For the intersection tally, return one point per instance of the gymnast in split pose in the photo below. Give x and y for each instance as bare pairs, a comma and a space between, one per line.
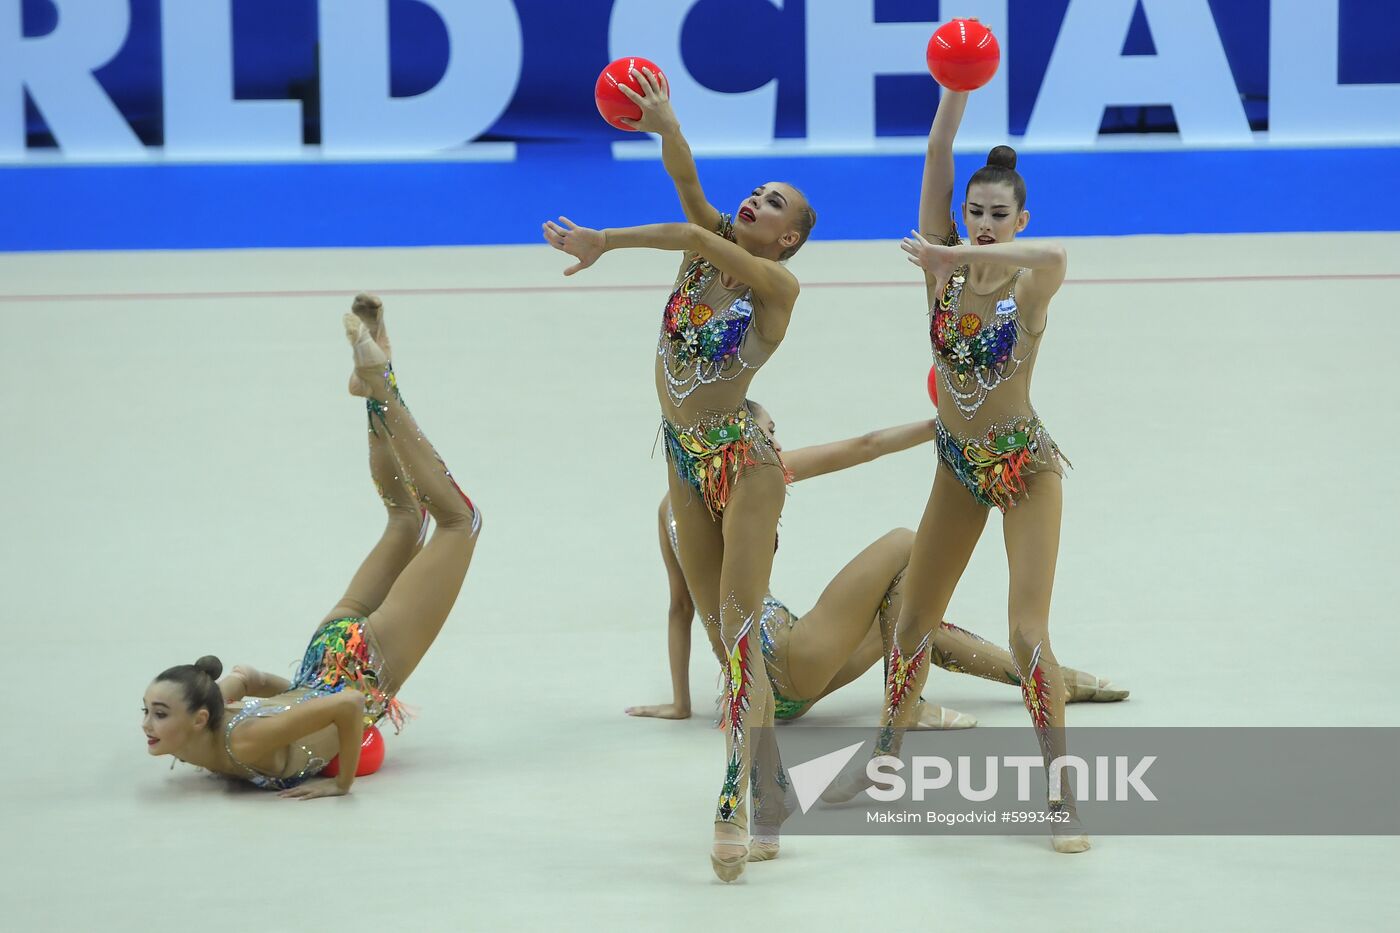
281, 734
849, 628
726, 315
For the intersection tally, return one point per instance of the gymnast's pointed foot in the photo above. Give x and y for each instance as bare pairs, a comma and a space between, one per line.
763, 849
730, 852
1067, 833
931, 717
369, 356
1084, 687
369, 310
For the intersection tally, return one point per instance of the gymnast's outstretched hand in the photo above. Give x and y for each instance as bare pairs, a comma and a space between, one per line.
316, 787
583, 243
661, 711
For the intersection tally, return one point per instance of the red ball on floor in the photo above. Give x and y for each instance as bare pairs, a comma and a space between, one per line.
371, 756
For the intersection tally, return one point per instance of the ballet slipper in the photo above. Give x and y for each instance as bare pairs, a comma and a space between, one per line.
763, 848
931, 717
370, 310
1090, 689
729, 868
369, 356
1070, 845
1068, 838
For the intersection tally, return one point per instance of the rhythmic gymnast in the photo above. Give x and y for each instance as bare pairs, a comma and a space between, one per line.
727, 313
989, 303
280, 734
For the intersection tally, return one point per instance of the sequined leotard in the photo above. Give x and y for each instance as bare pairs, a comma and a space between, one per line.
707, 355
342, 653
303, 762
988, 433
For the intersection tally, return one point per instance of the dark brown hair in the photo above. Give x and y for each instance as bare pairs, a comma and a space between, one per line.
200, 684
1000, 170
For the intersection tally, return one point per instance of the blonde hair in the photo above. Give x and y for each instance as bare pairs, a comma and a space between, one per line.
806, 220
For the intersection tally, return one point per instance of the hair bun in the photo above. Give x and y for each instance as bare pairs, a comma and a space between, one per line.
210, 665
1002, 157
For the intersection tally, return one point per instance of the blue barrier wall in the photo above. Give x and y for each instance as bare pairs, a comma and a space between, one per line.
444, 203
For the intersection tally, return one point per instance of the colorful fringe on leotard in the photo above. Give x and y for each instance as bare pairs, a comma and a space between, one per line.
711, 467
343, 653
994, 468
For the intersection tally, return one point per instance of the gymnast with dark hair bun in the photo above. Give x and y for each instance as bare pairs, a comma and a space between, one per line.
989, 303
282, 734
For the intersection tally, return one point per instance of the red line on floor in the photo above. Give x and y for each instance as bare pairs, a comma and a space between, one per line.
653, 286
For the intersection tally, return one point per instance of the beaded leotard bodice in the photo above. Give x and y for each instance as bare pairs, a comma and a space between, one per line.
707, 333
978, 345
302, 762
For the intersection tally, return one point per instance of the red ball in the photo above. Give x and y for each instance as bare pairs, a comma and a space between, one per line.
933, 384
371, 756
963, 55
612, 103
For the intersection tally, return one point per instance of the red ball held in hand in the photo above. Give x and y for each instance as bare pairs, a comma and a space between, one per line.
963, 55
933, 385
612, 103
371, 756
